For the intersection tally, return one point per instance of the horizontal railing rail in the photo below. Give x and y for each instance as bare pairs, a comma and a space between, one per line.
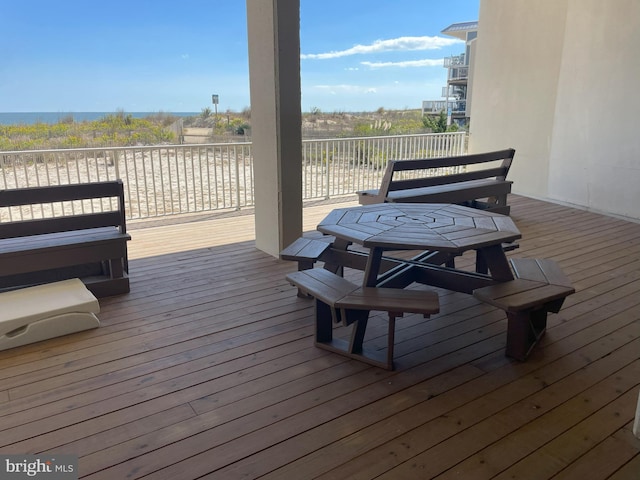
178, 179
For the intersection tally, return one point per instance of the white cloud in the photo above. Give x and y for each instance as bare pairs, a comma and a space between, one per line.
408, 63
343, 87
185, 56
391, 45
346, 89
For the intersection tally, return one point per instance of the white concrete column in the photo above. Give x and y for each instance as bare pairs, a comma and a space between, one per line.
274, 73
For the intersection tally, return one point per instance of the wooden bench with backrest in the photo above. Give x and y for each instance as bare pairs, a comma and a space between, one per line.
482, 185
67, 238
540, 286
337, 299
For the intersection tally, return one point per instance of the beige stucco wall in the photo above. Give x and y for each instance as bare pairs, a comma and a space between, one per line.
555, 79
595, 159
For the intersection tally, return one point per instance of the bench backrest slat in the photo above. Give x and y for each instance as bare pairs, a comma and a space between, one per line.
60, 193
59, 224
447, 179
425, 163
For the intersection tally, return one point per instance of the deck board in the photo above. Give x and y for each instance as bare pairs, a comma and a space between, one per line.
207, 369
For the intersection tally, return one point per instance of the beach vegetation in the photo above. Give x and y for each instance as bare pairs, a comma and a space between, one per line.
114, 130
123, 129
162, 118
438, 123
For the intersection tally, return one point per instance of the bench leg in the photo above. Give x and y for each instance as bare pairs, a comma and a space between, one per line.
354, 347
357, 337
358, 331
305, 264
524, 331
391, 336
324, 317
555, 306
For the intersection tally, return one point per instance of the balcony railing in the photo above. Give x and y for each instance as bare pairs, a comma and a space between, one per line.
437, 106
454, 61
178, 179
458, 73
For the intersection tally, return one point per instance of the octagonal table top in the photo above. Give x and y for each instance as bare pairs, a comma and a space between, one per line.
420, 226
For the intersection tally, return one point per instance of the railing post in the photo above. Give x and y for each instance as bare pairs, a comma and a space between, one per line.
328, 173
116, 163
237, 183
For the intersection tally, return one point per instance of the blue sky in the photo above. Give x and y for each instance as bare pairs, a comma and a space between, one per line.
156, 55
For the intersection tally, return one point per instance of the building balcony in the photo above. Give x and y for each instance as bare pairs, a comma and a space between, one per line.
458, 75
207, 369
458, 69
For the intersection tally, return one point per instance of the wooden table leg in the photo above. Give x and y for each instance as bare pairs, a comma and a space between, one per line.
338, 244
494, 259
373, 267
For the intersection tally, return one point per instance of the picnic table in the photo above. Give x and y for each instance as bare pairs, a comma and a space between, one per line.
440, 232
526, 289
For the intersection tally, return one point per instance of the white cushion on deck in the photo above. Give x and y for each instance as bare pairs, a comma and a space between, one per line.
45, 311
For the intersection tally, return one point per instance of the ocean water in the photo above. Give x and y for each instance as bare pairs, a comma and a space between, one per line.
28, 118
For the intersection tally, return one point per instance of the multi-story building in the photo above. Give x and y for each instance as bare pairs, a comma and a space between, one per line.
457, 93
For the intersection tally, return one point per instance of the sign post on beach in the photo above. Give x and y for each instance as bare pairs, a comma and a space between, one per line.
214, 100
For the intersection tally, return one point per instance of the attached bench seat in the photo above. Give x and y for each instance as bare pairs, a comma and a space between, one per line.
540, 287
338, 299
51, 310
306, 251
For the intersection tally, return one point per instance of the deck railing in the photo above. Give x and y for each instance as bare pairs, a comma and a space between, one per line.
177, 179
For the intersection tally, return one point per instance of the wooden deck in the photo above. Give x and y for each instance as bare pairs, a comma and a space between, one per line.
207, 370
